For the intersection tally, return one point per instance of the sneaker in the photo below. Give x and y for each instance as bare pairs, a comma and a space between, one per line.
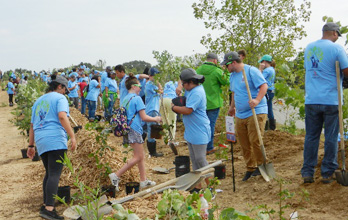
247, 175
308, 179
42, 208
256, 172
146, 183
51, 215
115, 180
213, 193
327, 180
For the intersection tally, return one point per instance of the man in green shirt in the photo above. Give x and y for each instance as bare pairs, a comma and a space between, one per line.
214, 80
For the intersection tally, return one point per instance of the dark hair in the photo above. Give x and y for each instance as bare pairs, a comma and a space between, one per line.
25, 77
242, 52
120, 68
52, 86
74, 69
194, 81
273, 64
146, 70
53, 76
95, 77
131, 80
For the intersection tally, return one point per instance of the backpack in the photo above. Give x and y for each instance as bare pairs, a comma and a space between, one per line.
119, 121
85, 91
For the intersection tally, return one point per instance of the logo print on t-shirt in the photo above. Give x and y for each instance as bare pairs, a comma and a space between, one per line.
42, 109
315, 55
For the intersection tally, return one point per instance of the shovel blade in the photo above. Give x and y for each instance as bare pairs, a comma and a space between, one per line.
173, 148
342, 177
267, 171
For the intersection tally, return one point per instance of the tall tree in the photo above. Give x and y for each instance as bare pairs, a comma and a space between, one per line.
258, 26
136, 66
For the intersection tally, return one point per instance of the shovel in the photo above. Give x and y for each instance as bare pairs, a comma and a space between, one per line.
77, 127
266, 169
341, 176
162, 169
171, 144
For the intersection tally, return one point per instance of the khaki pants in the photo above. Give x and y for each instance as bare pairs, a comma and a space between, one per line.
171, 116
248, 139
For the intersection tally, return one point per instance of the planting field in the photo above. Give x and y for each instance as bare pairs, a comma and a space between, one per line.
20, 185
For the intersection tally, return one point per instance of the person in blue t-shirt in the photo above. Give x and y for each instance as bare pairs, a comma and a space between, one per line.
92, 96
152, 97
241, 108
48, 130
74, 73
109, 94
196, 122
10, 91
104, 77
143, 84
121, 74
73, 94
267, 66
321, 102
135, 114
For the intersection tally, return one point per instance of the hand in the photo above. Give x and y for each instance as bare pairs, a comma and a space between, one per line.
158, 119
261, 66
31, 152
73, 144
106, 95
253, 103
178, 90
232, 111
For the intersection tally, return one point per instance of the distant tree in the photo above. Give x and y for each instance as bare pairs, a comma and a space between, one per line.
100, 64
136, 66
258, 26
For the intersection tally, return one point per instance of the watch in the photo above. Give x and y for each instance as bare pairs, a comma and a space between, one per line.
31, 146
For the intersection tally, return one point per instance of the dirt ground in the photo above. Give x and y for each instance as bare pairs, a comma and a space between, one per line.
21, 195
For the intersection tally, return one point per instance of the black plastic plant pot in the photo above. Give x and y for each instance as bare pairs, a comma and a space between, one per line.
36, 157
182, 165
132, 186
24, 152
64, 193
98, 117
220, 171
109, 191
156, 131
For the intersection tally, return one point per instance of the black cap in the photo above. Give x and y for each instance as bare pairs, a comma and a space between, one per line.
231, 56
330, 26
190, 73
212, 56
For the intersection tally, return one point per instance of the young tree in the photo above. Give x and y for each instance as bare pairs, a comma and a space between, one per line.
258, 26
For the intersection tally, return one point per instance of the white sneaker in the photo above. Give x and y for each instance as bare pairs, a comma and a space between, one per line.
114, 180
147, 183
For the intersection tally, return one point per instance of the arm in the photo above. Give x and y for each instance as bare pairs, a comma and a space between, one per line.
31, 150
232, 109
98, 86
63, 118
182, 110
143, 76
178, 89
160, 88
147, 118
345, 72
106, 91
262, 92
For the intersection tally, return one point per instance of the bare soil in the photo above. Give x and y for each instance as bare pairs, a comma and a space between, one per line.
21, 194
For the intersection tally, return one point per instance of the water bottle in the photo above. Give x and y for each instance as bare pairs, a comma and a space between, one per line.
204, 207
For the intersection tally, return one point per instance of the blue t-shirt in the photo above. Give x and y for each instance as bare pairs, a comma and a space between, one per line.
169, 90
74, 74
151, 97
49, 133
103, 78
81, 79
269, 74
93, 91
143, 86
321, 84
10, 86
133, 108
111, 84
241, 98
122, 87
197, 124
73, 93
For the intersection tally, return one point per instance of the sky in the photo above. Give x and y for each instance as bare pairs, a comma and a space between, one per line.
41, 34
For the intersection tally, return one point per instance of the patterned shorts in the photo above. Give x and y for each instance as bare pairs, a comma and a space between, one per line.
135, 137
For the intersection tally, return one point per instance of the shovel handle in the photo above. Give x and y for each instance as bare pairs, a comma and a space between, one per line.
255, 118
72, 119
340, 115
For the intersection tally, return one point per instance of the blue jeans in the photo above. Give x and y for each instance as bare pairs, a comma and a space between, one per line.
148, 124
109, 109
92, 106
316, 116
269, 104
213, 115
83, 105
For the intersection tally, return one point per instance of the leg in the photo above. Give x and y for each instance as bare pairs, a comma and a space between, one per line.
198, 158
149, 139
331, 124
242, 134
314, 124
138, 156
270, 104
83, 105
254, 139
44, 158
92, 107
213, 116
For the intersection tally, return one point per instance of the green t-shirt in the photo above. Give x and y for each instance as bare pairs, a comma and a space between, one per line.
214, 79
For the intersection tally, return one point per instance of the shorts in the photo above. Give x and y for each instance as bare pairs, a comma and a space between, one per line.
135, 137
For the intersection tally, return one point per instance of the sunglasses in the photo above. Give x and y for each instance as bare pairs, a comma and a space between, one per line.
137, 85
228, 63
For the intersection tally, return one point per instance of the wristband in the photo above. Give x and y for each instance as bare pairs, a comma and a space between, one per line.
31, 146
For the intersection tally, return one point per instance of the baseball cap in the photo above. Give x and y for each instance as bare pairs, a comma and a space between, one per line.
61, 80
212, 56
266, 58
153, 71
229, 57
330, 26
108, 68
190, 73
